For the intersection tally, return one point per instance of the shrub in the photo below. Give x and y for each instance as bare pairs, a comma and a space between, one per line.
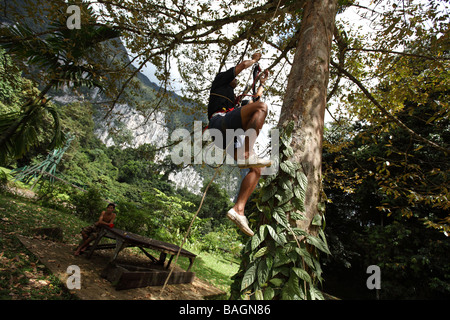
53, 194
88, 205
132, 218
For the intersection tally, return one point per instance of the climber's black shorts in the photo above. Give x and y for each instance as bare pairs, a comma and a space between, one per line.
231, 120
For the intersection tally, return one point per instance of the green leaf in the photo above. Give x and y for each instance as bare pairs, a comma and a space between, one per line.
315, 293
318, 270
287, 207
280, 217
321, 207
317, 220
260, 252
322, 236
318, 243
288, 167
278, 238
286, 140
267, 210
298, 204
297, 215
269, 293
249, 276
306, 256
300, 232
281, 258
276, 282
300, 193
283, 270
392, 26
263, 272
302, 274
286, 134
288, 127
285, 182
269, 261
291, 290
284, 196
256, 240
263, 232
268, 192
288, 151
259, 295
302, 180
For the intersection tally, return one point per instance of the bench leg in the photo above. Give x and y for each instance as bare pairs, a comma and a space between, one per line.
120, 244
94, 246
162, 258
191, 262
170, 261
148, 255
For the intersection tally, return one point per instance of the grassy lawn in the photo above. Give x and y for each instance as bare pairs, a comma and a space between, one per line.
212, 268
23, 277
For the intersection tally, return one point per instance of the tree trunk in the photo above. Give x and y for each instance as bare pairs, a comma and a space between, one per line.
274, 264
306, 97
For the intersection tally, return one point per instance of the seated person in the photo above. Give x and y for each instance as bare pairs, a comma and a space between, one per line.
90, 233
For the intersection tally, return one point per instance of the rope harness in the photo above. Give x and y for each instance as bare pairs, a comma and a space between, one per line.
238, 101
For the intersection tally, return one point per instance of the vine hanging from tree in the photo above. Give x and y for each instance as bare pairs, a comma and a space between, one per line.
281, 261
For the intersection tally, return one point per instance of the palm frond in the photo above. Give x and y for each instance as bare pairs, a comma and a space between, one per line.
21, 131
63, 56
58, 138
62, 53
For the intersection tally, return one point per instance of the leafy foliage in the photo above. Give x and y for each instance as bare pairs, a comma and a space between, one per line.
88, 205
20, 130
63, 55
13, 87
407, 55
63, 58
281, 261
386, 207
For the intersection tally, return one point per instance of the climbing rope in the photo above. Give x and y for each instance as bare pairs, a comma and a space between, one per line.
257, 68
256, 72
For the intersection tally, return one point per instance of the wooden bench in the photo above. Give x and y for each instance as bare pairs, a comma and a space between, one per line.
125, 239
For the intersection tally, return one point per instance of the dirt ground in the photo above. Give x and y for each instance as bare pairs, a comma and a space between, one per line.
59, 256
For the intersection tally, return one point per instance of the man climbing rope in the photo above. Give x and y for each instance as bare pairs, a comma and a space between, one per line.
223, 113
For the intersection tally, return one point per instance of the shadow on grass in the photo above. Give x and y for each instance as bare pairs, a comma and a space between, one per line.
214, 270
